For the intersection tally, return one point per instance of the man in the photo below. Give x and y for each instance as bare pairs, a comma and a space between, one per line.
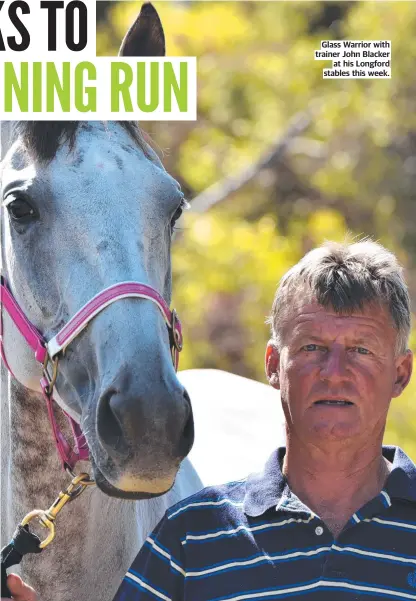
333, 514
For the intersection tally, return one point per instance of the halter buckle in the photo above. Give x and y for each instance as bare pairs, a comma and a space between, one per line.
176, 334
51, 379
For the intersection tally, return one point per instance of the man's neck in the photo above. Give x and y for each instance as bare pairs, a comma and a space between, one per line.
335, 483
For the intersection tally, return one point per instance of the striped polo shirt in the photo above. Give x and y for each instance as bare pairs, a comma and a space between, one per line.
255, 540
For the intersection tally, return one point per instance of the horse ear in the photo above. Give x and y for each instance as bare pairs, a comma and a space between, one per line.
145, 37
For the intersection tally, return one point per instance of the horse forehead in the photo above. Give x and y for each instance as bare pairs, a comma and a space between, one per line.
106, 161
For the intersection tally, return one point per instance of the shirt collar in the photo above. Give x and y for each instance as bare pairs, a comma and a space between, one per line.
266, 489
401, 484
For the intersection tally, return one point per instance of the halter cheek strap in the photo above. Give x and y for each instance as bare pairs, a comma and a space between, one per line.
27, 329
48, 352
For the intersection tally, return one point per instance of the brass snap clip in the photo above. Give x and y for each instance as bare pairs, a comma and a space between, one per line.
47, 518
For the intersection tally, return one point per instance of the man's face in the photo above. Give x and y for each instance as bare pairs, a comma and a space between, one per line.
337, 374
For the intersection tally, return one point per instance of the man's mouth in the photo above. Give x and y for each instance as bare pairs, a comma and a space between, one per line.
334, 402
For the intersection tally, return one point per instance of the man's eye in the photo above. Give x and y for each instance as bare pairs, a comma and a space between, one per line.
361, 350
310, 347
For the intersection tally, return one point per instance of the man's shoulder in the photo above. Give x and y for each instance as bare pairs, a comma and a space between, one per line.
219, 498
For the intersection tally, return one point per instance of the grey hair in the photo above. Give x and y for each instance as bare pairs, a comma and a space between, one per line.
346, 277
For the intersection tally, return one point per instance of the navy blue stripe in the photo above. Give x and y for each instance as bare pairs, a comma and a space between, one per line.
155, 552
123, 593
269, 560
379, 551
205, 532
393, 527
386, 588
241, 532
208, 508
159, 590
273, 592
137, 586
159, 544
360, 592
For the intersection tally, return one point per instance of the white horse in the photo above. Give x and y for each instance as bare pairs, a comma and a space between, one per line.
86, 206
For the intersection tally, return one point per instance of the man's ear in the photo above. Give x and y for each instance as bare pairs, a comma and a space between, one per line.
145, 37
404, 367
272, 364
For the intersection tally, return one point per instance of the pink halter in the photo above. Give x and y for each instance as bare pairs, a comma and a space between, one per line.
48, 352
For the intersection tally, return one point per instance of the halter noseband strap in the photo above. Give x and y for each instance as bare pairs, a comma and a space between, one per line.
111, 294
46, 352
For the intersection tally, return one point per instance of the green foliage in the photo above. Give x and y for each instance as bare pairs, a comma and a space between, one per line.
353, 170
226, 272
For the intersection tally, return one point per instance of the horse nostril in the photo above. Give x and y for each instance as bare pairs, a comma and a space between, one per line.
109, 429
124, 422
188, 433
187, 399
187, 439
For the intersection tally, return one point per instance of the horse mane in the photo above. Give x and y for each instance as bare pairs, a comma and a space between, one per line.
42, 139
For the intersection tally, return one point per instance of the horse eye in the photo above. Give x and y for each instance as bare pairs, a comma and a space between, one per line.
20, 209
176, 216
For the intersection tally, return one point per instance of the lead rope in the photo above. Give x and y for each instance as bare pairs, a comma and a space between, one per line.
22, 543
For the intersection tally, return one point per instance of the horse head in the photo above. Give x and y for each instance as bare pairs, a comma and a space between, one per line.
86, 205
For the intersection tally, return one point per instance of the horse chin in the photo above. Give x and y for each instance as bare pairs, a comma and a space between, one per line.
113, 491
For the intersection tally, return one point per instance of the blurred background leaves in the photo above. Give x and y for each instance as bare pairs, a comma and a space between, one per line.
353, 169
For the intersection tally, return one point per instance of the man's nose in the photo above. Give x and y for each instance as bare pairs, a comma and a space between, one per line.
334, 366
